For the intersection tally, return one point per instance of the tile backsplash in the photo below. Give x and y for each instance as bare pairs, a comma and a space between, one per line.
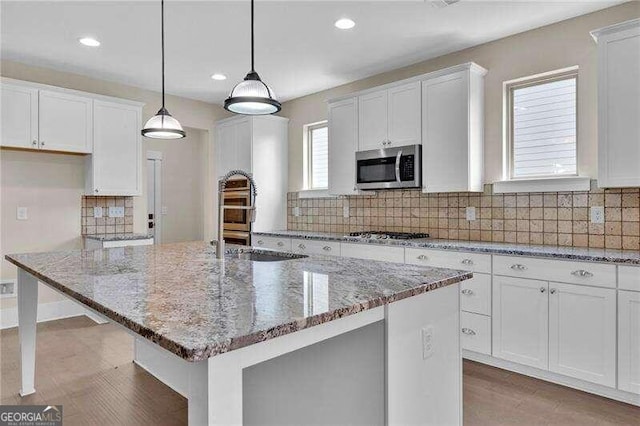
106, 225
551, 218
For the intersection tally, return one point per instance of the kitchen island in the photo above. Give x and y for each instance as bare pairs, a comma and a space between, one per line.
204, 324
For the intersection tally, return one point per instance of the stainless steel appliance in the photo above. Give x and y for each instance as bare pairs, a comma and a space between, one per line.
236, 209
389, 168
381, 235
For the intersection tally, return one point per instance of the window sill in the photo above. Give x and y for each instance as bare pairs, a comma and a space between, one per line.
315, 193
560, 184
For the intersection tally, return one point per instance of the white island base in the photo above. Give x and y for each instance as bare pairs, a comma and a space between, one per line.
410, 370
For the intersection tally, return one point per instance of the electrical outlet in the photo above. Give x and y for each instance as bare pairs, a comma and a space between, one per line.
116, 211
7, 289
164, 210
22, 213
97, 212
427, 342
345, 211
470, 213
597, 214
296, 211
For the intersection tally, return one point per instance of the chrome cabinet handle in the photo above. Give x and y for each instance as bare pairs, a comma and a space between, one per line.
300, 246
518, 267
326, 248
280, 243
467, 291
467, 262
468, 331
96, 190
552, 291
34, 143
542, 289
582, 273
422, 257
260, 242
41, 143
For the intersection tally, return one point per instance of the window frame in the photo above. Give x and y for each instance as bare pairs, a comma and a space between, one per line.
308, 154
534, 80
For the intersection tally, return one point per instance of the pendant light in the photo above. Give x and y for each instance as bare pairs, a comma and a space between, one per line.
252, 96
163, 125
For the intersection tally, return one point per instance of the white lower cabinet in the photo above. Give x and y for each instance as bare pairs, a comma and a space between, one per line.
272, 243
330, 248
475, 294
629, 341
521, 321
373, 252
475, 332
582, 332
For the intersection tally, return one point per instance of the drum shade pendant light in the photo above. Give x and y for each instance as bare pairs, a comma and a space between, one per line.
252, 96
163, 125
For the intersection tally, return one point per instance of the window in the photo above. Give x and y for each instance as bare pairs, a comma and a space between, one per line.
542, 126
317, 156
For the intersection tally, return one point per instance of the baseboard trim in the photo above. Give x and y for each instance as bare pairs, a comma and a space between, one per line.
558, 379
46, 312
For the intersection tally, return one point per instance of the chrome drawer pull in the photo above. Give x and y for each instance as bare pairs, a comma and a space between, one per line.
552, 291
280, 243
542, 289
326, 248
518, 267
467, 262
301, 246
467, 291
260, 242
582, 273
468, 331
422, 257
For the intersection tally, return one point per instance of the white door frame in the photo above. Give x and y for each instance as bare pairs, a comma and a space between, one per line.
156, 158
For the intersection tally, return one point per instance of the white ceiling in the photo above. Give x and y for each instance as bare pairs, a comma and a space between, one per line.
298, 50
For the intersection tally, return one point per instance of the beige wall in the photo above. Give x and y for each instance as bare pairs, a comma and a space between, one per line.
183, 176
556, 46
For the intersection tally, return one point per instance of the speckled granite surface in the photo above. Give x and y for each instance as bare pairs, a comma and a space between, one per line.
182, 298
567, 253
118, 237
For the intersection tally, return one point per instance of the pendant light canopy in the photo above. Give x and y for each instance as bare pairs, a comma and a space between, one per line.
163, 125
252, 96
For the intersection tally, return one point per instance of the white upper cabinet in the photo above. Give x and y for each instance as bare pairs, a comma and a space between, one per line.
582, 332
343, 143
115, 166
234, 145
619, 104
389, 117
452, 131
19, 116
629, 341
65, 122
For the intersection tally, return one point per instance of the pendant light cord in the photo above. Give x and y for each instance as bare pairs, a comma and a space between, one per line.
252, 53
162, 38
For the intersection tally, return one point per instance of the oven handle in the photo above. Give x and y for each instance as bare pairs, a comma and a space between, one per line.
398, 166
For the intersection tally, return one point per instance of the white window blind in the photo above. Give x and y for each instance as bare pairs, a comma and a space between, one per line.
319, 156
543, 138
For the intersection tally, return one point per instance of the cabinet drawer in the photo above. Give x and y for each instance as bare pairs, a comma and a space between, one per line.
315, 247
629, 277
273, 243
475, 332
572, 272
373, 252
449, 259
475, 294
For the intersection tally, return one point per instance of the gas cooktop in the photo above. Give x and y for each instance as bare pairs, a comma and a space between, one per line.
378, 235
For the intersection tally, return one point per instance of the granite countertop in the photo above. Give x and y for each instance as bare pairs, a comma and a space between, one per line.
631, 257
196, 306
118, 237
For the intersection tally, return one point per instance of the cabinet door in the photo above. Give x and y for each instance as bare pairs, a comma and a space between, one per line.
619, 109
343, 144
520, 321
404, 115
19, 116
226, 147
372, 120
445, 133
629, 341
65, 122
244, 142
582, 332
117, 150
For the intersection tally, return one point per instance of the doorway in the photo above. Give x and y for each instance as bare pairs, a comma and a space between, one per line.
154, 195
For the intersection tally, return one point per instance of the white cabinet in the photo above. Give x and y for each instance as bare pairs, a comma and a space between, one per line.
619, 104
271, 243
257, 145
520, 321
475, 332
452, 130
65, 122
115, 166
475, 294
582, 332
389, 117
19, 116
343, 144
373, 252
629, 341
329, 248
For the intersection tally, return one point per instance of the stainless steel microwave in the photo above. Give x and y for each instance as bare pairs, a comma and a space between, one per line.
389, 168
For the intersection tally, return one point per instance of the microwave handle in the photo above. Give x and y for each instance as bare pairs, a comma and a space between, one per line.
398, 166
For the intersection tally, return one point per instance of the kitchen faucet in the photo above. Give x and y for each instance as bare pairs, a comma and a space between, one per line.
222, 184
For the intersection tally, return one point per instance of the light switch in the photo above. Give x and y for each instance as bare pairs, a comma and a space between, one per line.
97, 212
597, 214
296, 211
22, 213
116, 211
470, 213
345, 211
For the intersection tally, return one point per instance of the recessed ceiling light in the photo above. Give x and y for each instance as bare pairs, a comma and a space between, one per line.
88, 41
345, 24
219, 77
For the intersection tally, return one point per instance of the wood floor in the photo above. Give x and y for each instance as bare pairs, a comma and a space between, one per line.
87, 368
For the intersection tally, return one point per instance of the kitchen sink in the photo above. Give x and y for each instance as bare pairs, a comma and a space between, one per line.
261, 255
